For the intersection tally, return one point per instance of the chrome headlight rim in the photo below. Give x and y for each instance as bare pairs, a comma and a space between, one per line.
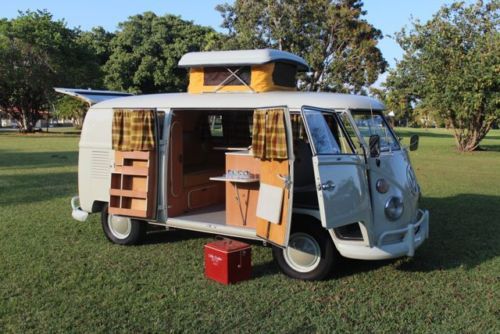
394, 208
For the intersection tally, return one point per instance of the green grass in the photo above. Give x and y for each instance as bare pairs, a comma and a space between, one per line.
59, 275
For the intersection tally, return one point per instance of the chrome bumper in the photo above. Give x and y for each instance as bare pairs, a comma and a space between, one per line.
77, 213
414, 236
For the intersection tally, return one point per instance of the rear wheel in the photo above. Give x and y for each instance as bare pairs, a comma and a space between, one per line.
122, 230
310, 254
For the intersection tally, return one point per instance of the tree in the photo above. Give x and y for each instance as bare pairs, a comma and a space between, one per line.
36, 54
451, 65
70, 107
99, 41
24, 72
146, 50
339, 45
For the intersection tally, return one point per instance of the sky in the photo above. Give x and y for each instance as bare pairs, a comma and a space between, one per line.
387, 15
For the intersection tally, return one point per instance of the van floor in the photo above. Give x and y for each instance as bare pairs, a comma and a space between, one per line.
215, 214
211, 220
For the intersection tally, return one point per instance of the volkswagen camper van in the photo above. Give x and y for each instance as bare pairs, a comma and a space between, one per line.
243, 154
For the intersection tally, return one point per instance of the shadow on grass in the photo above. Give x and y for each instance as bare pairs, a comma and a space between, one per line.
269, 268
172, 236
23, 189
25, 160
41, 134
489, 148
406, 132
164, 236
492, 137
349, 267
464, 232
159, 236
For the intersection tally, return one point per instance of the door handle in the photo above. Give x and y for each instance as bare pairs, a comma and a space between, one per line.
327, 186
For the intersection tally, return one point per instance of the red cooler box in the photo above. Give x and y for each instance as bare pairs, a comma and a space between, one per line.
228, 261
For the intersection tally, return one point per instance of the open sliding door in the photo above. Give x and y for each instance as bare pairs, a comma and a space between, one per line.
272, 145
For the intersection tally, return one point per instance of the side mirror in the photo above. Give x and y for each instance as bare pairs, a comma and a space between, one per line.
374, 146
414, 142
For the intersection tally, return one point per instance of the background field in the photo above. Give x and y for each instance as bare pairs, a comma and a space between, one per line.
60, 275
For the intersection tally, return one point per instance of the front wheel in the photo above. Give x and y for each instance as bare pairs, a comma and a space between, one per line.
310, 254
122, 230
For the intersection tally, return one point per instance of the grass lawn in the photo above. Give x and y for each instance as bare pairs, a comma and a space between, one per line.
57, 274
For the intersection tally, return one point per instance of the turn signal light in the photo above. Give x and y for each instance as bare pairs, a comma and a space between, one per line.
382, 186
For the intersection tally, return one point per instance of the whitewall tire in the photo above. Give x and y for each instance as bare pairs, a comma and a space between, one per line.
310, 254
122, 230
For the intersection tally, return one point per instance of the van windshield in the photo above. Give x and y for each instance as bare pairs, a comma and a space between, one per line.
373, 123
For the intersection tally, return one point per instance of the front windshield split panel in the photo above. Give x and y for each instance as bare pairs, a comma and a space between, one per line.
352, 131
371, 123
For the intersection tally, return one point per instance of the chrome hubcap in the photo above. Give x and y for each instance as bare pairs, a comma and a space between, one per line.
303, 253
120, 227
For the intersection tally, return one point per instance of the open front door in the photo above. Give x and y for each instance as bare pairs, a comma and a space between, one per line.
272, 145
340, 174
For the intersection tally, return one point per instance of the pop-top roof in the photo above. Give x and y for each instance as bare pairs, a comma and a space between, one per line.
241, 58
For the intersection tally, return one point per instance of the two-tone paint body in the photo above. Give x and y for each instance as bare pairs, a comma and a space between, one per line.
354, 176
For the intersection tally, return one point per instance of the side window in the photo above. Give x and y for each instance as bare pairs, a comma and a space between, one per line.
236, 128
215, 124
319, 133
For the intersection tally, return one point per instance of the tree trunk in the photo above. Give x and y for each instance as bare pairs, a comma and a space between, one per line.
28, 120
468, 140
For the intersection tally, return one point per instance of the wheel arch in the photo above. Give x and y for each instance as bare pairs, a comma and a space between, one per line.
307, 224
98, 206
313, 216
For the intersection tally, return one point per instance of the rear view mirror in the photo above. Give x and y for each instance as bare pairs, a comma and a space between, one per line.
374, 146
414, 142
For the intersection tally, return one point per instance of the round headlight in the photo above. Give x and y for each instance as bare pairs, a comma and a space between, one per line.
394, 208
382, 186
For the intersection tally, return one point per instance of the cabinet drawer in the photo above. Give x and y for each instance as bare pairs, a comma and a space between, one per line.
205, 196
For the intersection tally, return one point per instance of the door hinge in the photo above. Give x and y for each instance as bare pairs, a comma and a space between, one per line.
286, 180
327, 186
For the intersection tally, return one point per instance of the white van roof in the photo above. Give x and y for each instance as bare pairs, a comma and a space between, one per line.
293, 100
241, 58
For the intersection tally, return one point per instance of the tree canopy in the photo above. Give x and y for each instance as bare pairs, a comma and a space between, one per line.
339, 45
451, 66
69, 107
146, 50
36, 54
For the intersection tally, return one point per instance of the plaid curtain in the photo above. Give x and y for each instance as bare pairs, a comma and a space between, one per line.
297, 127
133, 130
269, 136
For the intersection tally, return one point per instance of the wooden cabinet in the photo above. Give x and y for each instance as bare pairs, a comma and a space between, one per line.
133, 190
241, 197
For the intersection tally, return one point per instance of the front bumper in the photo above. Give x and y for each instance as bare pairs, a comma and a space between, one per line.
76, 212
413, 236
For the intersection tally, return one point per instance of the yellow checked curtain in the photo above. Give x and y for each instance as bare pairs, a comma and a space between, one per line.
133, 130
297, 127
269, 135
